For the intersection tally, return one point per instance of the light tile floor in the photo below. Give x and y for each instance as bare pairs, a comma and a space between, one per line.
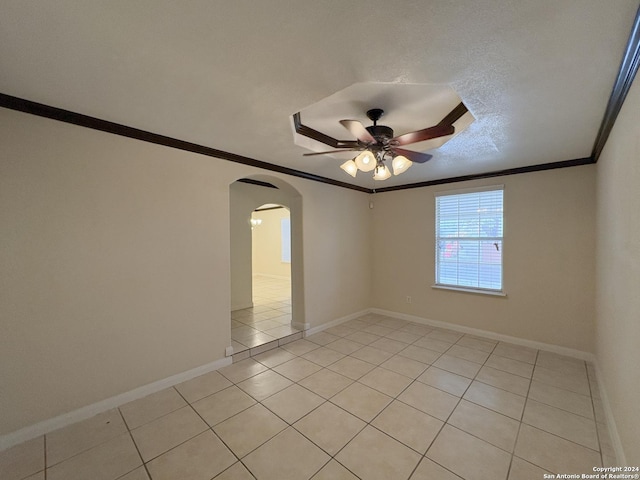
268, 320
374, 398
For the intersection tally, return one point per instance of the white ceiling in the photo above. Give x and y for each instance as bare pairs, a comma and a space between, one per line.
535, 74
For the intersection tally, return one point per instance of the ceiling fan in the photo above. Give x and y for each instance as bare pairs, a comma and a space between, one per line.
377, 142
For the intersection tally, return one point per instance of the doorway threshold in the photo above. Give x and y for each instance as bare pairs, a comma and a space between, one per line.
251, 352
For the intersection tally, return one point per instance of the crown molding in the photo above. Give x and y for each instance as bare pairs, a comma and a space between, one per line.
624, 79
497, 173
67, 116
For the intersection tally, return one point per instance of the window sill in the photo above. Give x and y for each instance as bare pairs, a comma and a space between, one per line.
470, 290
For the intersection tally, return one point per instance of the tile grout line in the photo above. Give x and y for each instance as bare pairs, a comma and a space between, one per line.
45, 456
181, 443
551, 433
333, 457
230, 467
396, 398
563, 438
92, 447
289, 425
459, 402
561, 408
370, 423
595, 418
414, 380
210, 428
522, 416
411, 383
512, 454
144, 465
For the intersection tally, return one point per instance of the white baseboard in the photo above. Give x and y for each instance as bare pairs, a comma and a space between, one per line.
47, 426
569, 352
242, 306
616, 443
549, 347
335, 322
301, 326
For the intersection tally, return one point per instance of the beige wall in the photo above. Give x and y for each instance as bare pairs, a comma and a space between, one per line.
618, 273
115, 261
337, 252
267, 244
240, 207
548, 259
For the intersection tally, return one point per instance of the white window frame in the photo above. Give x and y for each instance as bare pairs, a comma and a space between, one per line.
464, 288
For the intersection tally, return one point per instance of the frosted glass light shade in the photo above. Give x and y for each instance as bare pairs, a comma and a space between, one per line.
350, 167
366, 161
400, 164
382, 173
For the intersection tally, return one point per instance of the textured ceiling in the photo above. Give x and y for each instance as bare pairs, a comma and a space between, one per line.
535, 74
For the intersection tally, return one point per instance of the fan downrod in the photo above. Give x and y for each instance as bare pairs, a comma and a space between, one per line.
374, 114
381, 133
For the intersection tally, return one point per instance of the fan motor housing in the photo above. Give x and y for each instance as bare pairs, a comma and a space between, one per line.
380, 132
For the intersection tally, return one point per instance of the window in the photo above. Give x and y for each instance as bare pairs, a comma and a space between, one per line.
285, 240
469, 230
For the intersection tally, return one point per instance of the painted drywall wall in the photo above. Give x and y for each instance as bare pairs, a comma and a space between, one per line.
548, 259
115, 261
240, 233
266, 244
341, 229
618, 272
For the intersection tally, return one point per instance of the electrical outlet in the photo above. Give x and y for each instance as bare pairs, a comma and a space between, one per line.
408, 299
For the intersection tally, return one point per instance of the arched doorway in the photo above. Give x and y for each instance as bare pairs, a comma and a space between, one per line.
266, 262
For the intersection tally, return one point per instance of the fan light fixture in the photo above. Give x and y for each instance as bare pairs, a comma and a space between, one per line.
377, 143
367, 161
255, 222
382, 172
400, 164
350, 167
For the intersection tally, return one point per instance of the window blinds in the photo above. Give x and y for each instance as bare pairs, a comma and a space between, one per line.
469, 231
285, 240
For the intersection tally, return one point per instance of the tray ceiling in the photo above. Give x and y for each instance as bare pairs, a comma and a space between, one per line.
535, 74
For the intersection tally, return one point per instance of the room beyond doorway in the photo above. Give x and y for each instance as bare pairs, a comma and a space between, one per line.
270, 317
267, 290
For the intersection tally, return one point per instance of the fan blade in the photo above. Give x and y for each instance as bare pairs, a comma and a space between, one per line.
424, 134
413, 156
329, 152
358, 130
454, 115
